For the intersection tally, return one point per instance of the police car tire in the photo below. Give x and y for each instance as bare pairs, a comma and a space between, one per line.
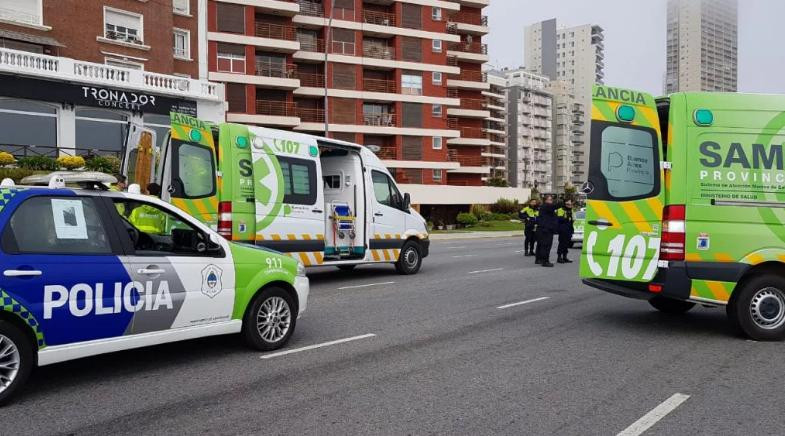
251, 333
402, 266
26, 359
671, 306
739, 306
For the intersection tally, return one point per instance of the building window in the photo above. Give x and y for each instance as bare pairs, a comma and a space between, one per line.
124, 63
436, 14
436, 46
437, 142
25, 123
22, 11
411, 84
123, 26
436, 78
437, 175
182, 44
100, 131
230, 18
436, 110
181, 7
230, 58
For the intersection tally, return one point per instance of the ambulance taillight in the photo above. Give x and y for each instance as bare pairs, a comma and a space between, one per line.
225, 219
673, 232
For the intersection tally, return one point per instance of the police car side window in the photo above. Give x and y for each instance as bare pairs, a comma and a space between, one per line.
57, 225
157, 232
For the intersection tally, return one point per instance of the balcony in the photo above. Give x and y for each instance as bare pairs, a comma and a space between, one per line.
379, 119
470, 23
468, 79
275, 31
310, 115
343, 48
276, 108
378, 51
474, 103
312, 9
379, 18
471, 136
286, 8
311, 80
380, 85
468, 52
387, 153
311, 44
277, 70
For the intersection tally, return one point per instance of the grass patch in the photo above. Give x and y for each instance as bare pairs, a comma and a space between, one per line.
487, 226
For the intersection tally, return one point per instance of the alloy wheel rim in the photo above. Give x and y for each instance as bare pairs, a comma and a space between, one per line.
273, 319
9, 362
767, 308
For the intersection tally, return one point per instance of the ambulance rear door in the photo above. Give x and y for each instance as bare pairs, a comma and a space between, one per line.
140, 156
624, 188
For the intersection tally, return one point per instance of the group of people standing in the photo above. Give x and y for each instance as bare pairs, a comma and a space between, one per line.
541, 222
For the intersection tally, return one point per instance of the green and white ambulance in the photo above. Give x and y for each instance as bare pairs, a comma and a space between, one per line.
686, 203
319, 200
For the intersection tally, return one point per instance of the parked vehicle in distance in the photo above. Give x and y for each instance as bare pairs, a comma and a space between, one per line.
578, 223
87, 271
319, 200
684, 203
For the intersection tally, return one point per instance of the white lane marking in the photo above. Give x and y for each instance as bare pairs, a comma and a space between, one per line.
519, 251
533, 300
455, 246
485, 270
506, 245
365, 286
656, 414
315, 346
464, 255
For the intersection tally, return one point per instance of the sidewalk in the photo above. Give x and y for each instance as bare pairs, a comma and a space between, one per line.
473, 235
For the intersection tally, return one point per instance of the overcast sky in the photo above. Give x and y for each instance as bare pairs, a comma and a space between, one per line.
635, 38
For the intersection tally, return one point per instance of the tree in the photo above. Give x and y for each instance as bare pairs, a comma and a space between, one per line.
570, 192
497, 182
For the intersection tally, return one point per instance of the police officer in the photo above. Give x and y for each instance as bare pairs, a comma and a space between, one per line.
564, 215
121, 185
547, 226
529, 217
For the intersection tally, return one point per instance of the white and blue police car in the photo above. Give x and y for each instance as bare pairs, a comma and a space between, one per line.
89, 271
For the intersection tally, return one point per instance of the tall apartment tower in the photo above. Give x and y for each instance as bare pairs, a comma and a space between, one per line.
702, 46
529, 127
496, 126
405, 76
575, 56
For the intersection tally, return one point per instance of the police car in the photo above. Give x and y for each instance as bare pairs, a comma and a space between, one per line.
84, 272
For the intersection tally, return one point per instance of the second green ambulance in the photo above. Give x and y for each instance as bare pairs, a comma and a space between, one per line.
686, 203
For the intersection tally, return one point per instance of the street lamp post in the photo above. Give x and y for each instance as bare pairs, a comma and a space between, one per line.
326, 51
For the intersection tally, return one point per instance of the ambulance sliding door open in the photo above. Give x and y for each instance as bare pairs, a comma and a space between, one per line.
140, 157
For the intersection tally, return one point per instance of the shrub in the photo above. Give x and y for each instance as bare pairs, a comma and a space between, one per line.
504, 205
503, 216
478, 210
104, 164
6, 159
467, 219
15, 174
37, 163
70, 162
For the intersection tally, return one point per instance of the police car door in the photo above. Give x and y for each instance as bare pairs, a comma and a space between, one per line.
61, 273
624, 194
183, 278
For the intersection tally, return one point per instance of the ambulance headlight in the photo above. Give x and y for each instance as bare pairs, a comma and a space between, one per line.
300, 269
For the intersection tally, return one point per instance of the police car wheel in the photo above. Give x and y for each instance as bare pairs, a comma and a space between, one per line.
16, 360
410, 259
758, 309
270, 321
669, 305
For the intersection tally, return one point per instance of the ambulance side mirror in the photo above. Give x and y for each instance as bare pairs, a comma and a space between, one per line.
215, 239
407, 201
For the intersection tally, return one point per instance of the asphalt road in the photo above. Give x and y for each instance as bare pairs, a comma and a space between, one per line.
444, 358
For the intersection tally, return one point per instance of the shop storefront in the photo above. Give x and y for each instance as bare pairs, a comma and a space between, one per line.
89, 107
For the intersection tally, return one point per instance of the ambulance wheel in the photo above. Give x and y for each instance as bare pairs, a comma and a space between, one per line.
270, 321
669, 305
16, 360
757, 308
347, 268
410, 260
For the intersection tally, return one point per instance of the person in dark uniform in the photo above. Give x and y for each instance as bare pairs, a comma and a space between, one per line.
529, 217
564, 216
547, 226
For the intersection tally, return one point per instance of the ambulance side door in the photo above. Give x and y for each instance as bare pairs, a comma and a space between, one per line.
60, 268
186, 280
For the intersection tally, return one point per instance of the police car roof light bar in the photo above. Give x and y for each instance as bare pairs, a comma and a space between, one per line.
59, 179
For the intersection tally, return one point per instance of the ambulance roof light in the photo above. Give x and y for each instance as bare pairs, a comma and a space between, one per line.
625, 113
703, 117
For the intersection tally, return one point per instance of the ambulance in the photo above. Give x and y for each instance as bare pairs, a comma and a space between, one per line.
322, 201
686, 203
81, 278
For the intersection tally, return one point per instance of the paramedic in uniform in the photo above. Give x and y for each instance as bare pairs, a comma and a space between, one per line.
529, 217
547, 226
564, 216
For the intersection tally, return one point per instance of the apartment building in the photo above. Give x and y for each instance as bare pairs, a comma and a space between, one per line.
574, 55
74, 74
568, 122
702, 46
402, 76
529, 130
496, 127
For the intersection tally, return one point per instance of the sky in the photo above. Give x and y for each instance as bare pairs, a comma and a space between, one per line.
635, 38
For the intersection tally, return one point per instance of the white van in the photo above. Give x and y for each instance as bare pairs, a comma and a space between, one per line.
320, 200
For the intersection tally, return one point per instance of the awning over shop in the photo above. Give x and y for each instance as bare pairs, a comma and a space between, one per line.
32, 39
